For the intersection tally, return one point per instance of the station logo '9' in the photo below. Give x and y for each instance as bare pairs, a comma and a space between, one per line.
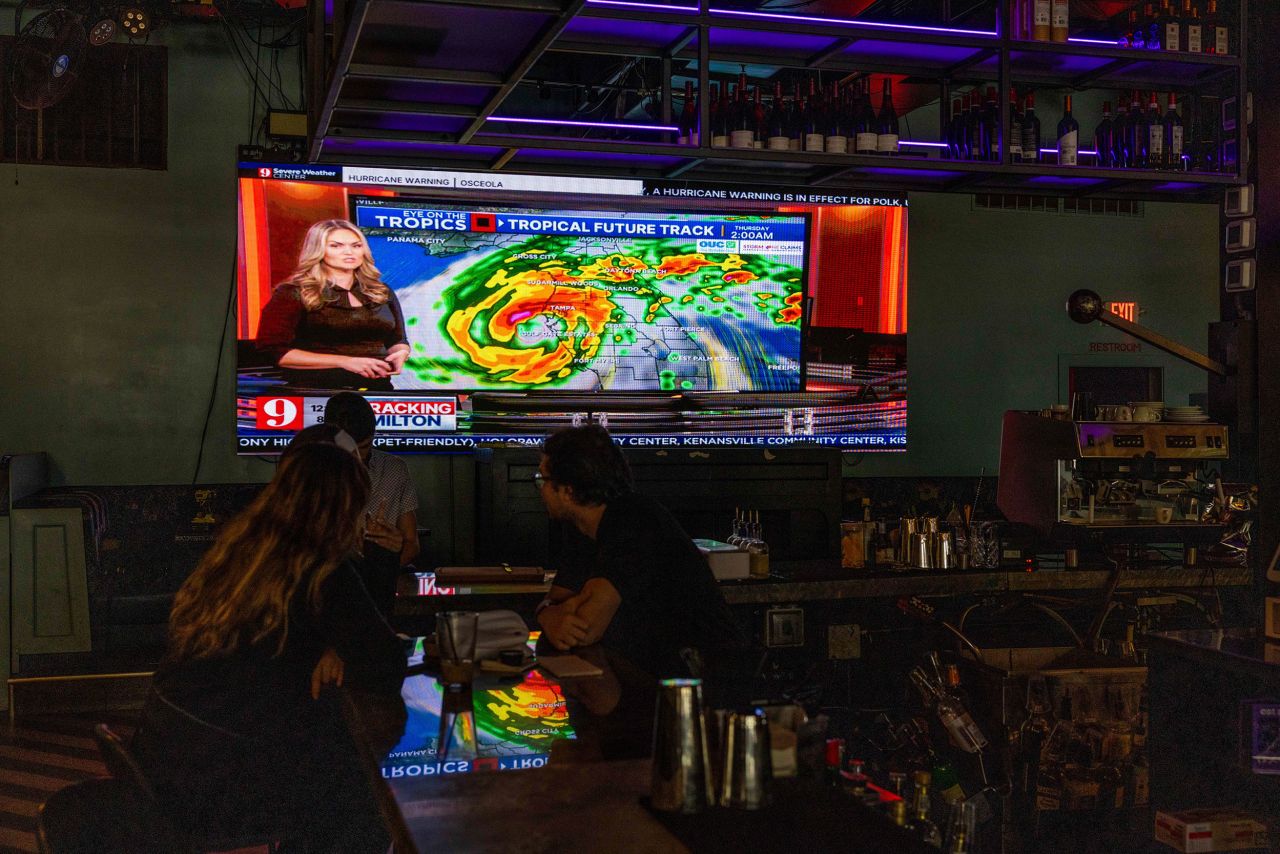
279, 413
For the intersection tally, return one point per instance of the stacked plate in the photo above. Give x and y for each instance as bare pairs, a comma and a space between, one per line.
1185, 415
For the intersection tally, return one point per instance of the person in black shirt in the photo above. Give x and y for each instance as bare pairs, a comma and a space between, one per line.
626, 573
333, 323
238, 734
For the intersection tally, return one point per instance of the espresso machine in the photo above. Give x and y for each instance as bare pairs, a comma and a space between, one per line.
1112, 482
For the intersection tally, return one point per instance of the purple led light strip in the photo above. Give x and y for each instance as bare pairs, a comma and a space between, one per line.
1095, 41
577, 124
879, 25
1080, 151
629, 4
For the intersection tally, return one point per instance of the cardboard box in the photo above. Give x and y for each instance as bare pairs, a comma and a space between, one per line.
1260, 736
1193, 831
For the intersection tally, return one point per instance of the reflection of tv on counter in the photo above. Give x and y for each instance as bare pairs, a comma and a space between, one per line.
494, 316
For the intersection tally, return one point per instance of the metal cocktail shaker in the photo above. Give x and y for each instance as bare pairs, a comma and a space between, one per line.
747, 761
681, 765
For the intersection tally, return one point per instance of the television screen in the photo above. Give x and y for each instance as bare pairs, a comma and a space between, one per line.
476, 310
509, 726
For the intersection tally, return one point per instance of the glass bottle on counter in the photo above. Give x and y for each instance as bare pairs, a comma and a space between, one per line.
887, 126
1013, 141
1155, 134
777, 138
757, 549
1119, 135
1104, 137
1030, 132
955, 718
719, 116
865, 124
1218, 38
1173, 135
920, 824
1068, 136
688, 122
960, 833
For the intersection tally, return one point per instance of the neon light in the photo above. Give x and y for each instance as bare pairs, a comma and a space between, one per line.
1084, 151
1094, 41
922, 144
632, 5
912, 28
577, 124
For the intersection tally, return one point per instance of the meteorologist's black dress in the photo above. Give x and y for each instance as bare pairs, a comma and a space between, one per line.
336, 327
236, 744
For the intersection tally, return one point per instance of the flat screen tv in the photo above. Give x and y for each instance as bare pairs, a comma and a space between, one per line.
492, 309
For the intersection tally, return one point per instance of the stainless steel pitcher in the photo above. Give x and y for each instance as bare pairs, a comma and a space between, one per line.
681, 763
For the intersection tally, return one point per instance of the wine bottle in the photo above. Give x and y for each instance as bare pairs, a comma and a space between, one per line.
760, 120
1060, 20
1119, 136
955, 133
866, 135
1219, 40
991, 127
688, 123
1155, 134
719, 116
1171, 26
1041, 27
813, 140
837, 136
887, 127
1140, 134
1013, 141
776, 135
1068, 136
1155, 26
1173, 136
1104, 137
976, 142
795, 133
1194, 28
742, 131
1030, 132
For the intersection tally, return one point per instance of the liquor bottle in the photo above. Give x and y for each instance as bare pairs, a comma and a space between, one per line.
955, 718
1170, 29
1041, 27
777, 135
953, 132
977, 143
1119, 138
1030, 132
991, 127
719, 117
1139, 133
920, 824
1013, 141
837, 136
760, 119
757, 549
1193, 27
960, 834
688, 123
1219, 39
1155, 134
898, 813
1138, 31
813, 129
742, 131
1104, 137
1173, 160
887, 122
1068, 136
1060, 20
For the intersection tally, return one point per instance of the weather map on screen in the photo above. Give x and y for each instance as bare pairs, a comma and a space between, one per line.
507, 299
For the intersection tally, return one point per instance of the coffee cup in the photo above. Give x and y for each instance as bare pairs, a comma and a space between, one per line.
1146, 413
1164, 515
1123, 413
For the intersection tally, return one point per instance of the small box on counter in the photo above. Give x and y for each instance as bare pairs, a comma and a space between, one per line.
728, 562
1260, 736
1206, 830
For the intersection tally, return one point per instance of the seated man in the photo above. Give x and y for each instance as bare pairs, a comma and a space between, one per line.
630, 576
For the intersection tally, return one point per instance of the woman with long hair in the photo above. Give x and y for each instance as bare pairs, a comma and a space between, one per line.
333, 323
238, 735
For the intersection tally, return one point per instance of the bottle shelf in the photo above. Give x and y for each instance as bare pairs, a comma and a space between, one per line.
443, 108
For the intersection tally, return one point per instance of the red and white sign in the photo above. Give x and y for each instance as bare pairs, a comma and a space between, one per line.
280, 413
415, 415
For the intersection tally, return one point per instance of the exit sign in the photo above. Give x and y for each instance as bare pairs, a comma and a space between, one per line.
1127, 310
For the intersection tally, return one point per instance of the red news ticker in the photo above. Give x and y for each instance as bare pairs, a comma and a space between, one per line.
414, 407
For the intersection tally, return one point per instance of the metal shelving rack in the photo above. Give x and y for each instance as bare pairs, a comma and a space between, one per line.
422, 83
